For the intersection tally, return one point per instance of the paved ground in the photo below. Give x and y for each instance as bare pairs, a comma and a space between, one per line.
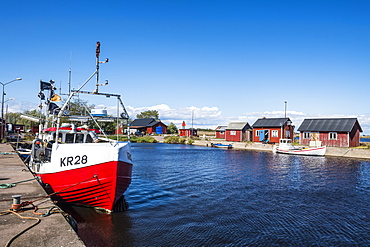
159, 138
52, 230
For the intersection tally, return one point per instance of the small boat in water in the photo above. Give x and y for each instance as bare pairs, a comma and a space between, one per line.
73, 164
285, 147
220, 145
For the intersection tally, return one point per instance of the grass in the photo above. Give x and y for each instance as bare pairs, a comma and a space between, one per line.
178, 140
144, 139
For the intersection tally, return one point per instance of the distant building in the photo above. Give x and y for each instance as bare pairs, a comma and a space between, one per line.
238, 132
15, 128
272, 130
148, 126
220, 132
188, 132
332, 132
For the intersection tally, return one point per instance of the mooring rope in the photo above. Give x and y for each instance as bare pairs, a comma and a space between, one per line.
9, 185
23, 231
35, 208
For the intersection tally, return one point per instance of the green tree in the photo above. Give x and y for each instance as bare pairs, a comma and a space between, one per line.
13, 117
172, 129
77, 107
149, 114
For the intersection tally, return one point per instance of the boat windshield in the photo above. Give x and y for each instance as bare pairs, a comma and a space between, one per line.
286, 141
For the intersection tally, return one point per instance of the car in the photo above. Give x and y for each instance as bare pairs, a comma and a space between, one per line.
138, 133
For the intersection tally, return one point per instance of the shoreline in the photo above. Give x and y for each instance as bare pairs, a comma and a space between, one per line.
330, 151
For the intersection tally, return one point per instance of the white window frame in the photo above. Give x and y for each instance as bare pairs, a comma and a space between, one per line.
257, 133
274, 133
306, 135
333, 136
233, 132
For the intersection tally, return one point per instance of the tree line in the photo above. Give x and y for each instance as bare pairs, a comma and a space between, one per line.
80, 107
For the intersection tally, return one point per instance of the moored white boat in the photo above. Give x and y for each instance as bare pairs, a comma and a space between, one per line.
285, 147
73, 165
221, 145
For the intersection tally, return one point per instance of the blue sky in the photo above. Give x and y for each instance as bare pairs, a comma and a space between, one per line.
221, 60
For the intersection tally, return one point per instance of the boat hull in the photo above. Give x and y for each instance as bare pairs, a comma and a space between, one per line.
317, 151
219, 145
97, 186
95, 174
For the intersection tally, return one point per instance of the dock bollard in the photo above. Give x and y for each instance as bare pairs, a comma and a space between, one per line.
16, 202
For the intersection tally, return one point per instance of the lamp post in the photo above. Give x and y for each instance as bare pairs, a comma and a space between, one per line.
285, 102
2, 105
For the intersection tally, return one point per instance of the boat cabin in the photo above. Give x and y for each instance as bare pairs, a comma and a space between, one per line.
71, 135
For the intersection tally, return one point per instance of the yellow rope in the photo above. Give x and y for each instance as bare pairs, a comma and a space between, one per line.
23, 231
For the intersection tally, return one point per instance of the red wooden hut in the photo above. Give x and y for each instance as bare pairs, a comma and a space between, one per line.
238, 132
220, 132
188, 132
271, 130
332, 132
148, 126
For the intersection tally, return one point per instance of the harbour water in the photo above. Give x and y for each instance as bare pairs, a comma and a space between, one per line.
183, 195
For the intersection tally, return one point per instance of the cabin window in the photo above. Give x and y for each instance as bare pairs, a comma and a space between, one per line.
275, 133
287, 134
79, 138
70, 138
257, 133
233, 133
89, 139
333, 136
306, 135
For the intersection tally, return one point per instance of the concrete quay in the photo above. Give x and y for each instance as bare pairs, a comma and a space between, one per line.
330, 151
52, 230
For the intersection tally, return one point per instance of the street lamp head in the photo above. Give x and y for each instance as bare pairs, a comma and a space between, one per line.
18, 79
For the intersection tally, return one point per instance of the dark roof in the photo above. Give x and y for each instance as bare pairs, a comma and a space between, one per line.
144, 122
270, 122
329, 124
238, 126
221, 128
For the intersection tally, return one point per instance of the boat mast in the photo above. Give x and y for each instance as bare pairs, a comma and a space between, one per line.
97, 68
124, 115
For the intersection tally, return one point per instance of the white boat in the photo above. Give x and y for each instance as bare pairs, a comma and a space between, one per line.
285, 147
220, 145
73, 165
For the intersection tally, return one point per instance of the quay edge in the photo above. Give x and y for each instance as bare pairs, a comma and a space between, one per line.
53, 230
330, 151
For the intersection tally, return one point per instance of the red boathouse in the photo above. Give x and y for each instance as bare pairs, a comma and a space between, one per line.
332, 132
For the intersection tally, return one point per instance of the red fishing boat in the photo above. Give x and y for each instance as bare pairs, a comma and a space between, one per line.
73, 164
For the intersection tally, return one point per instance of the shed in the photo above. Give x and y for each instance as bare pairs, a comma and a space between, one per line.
148, 125
272, 130
238, 132
332, 132
188, 132
220, 132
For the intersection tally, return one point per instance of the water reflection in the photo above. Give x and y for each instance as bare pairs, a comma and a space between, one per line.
184, 195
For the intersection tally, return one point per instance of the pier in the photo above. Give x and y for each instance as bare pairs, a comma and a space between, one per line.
37, 221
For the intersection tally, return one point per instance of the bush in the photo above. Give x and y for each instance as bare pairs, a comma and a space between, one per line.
172, 139
177, 140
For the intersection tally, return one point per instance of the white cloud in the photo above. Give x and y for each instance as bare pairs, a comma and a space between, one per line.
207, 116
